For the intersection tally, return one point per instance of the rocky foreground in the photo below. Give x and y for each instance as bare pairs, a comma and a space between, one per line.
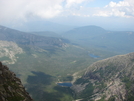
11, 88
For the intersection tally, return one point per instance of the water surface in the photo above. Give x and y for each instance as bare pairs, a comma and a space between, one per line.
93, 56
65, 84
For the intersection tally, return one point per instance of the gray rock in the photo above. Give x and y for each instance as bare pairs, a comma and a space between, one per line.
0, 72
10, 85
0, 65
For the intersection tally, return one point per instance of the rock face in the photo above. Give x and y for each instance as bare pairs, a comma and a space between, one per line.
11, 88
110, 79
9, 50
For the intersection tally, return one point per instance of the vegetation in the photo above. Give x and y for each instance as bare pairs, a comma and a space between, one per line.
35, 68
87, 92
45, 61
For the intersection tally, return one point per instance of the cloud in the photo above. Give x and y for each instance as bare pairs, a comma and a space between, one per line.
70, 3
12, 10
121, 9
120, 4
21, 9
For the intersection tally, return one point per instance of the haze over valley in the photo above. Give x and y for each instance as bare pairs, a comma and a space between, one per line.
41, 60
67, 50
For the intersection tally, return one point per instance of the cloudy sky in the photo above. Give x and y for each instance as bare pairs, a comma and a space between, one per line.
115, 14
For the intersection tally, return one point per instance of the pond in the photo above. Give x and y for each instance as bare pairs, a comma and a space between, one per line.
93, 56
65, 84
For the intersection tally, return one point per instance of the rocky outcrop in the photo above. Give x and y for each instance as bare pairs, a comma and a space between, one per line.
11, 88
8, 52
110, 79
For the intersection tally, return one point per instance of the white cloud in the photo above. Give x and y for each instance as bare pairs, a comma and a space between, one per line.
70, 3
12, 10
21, 9
121, 9
119, 4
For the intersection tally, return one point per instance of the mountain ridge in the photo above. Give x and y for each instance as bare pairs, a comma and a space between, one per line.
110, 79
97, 37
84, 32
31, 40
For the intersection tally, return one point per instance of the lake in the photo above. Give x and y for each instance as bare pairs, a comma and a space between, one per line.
93, 56
65, 84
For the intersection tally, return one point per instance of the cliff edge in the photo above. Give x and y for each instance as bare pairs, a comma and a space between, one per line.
11, 88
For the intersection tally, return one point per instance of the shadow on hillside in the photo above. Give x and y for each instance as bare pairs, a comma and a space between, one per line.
39, 78
36, 87
65, 90
38, 94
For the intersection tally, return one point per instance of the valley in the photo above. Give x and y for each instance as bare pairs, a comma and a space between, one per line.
40, 61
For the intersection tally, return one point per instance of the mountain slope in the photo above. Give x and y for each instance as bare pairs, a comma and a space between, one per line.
24, 39
11, 88
108, 80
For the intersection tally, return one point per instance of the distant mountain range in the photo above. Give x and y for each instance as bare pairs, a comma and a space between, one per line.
47, 33
97, 37
84, 32
42, 59
110, 79
29, 40
38, 26
87, 36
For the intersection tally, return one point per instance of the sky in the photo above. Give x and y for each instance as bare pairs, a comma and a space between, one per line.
109, 14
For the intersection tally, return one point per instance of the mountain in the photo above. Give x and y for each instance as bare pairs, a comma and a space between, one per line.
11, 88
111, 79
84, 32
97, 37
47, 33
41, 62
36, 26
27, 40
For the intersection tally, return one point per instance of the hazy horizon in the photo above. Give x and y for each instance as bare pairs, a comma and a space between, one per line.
110, 15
